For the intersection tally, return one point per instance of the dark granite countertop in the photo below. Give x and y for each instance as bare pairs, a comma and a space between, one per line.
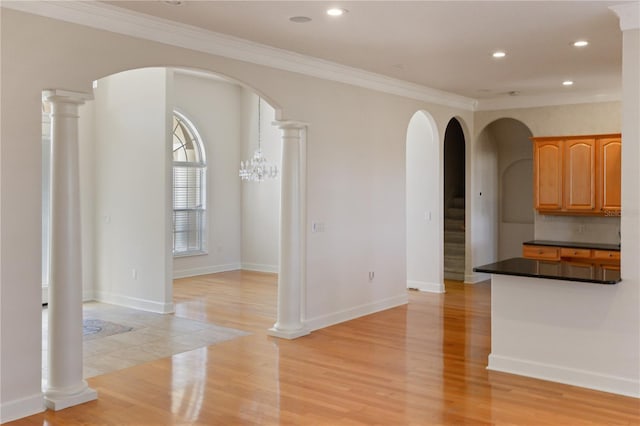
572, 244
562, 270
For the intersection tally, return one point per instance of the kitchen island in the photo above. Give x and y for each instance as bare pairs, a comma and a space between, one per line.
549, 321
560, 270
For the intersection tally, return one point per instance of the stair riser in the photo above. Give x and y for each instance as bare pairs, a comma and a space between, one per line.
453, 237
453, 250
455, 213
457, 202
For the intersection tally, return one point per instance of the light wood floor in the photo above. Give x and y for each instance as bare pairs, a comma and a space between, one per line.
419, 364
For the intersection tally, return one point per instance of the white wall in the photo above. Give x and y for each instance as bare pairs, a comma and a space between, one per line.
132, 194
424, 200
260, 200
215, 108
242, 220
567, 332
484, 195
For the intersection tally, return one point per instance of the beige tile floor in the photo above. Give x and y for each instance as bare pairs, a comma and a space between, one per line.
153, 336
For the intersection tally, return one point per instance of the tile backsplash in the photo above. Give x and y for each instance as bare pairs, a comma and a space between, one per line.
580, 229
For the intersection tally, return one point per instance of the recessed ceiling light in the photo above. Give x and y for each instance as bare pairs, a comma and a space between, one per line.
300, 19
336, 11
499, 54
581, 43
567, 83
173, 2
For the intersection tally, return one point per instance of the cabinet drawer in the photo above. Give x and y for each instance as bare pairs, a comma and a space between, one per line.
606, 255
540, 252
575, 252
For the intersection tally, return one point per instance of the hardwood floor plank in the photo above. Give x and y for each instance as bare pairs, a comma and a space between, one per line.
420, 364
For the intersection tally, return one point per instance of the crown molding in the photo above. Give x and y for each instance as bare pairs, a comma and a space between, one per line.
629, 14
533, 101
114, 19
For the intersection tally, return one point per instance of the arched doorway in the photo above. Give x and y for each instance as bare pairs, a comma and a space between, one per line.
424, 248
131, 218
505, 151
454, 201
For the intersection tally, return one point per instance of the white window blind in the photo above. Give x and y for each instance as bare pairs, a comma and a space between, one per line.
189, 189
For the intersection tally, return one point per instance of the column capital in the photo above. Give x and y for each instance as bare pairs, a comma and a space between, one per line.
629, 15
290, 124
58, 95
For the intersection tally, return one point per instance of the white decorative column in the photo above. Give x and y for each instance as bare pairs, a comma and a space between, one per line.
65, 385
290, 274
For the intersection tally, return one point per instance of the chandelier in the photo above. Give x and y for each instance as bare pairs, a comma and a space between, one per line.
257, 168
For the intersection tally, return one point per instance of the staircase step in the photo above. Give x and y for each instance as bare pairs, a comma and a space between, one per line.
455, 213
457, 202
454, 224
453, 264
454, 236
454, 249
454, 276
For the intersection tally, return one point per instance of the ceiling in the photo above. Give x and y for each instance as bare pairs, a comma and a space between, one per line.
441, 45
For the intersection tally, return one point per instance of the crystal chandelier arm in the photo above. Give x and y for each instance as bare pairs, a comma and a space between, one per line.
257, 169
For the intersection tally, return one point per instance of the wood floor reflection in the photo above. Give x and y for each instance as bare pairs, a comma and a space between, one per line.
420, 364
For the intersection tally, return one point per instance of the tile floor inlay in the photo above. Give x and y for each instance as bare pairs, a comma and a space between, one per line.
152, 336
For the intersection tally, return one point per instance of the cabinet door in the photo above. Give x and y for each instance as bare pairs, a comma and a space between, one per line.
547, 174
607, 255
580, 175
540, 252
610, 156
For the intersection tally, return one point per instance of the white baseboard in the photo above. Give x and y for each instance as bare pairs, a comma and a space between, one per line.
88, 296
566, 375
476, 277
23, 407
352, 313
426, 286
257, 267
134, 302
194, 272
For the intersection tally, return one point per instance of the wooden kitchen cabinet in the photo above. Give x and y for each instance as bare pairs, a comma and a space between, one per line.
604, 258
606, 255
609, 177
580, 175
575, 253
541, 252
547, 174
577, 175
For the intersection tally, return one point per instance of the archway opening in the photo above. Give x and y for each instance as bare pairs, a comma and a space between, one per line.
423, 197
127, 184
505, 149
454, 202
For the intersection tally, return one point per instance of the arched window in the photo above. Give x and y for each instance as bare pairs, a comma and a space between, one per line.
189, 188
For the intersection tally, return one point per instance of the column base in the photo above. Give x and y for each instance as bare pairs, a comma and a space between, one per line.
287, 334
60, 401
